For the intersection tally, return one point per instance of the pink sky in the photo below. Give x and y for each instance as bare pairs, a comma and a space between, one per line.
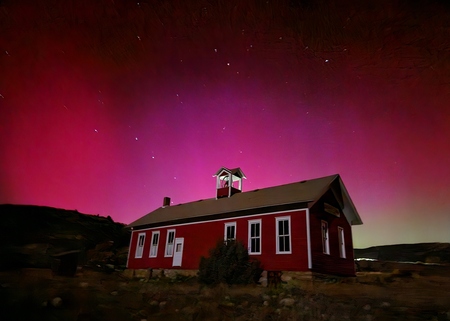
111, 122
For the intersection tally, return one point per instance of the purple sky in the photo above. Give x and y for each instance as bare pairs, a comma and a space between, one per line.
108, 109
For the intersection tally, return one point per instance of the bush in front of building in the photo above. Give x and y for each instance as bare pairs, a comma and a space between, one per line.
230, 263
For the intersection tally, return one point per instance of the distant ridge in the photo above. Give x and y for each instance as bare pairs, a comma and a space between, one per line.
30, 235
420, 252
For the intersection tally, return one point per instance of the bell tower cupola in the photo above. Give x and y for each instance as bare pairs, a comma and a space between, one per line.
228, 181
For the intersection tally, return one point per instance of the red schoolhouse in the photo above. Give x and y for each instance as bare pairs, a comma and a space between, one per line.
303, 226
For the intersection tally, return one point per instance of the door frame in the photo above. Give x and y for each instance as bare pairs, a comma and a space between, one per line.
178, 251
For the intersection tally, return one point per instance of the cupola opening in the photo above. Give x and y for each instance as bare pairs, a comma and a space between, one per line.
228, 181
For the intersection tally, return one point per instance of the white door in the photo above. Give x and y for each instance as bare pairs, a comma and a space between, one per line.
178, 251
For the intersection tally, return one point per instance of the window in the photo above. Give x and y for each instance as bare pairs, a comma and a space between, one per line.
254, 237
341, 242
154, 245
283, 235
230, 232
169, 242
325, 242
140, 245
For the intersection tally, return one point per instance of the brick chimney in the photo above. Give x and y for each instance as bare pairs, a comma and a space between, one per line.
166, 201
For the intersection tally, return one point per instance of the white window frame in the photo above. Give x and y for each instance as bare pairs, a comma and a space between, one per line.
140, 245
277, 220
154, 247
229, 224
341, 238
169, 246
250, 237
325, 231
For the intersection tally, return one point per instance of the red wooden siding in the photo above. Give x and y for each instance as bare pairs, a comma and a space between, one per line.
331, 263
199, 238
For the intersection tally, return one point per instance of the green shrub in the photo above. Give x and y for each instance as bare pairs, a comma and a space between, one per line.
229, 263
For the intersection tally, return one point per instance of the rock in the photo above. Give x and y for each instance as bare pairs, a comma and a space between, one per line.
114, 293
266, 297
143, 313
287, 302
84, 284
385, 304
263, 282
162, 304
266, 303
188, 310
367, 307
286, 278
56, 302
171, 274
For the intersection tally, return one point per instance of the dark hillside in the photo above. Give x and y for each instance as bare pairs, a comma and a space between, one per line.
31, 235
422, 252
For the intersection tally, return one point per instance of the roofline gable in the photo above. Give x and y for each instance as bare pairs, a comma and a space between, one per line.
349, 208
234, 171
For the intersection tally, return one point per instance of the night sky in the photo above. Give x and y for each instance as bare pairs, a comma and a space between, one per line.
108, 106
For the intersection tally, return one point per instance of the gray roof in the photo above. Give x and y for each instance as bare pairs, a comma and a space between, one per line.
307, 192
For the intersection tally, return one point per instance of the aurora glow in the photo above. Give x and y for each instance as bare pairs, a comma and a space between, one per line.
109, 112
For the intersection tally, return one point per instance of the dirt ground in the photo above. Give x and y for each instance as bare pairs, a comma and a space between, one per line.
36, 294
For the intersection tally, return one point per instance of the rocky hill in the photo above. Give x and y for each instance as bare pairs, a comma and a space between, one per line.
32, 236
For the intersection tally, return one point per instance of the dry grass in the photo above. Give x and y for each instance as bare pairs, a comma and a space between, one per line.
97, 296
